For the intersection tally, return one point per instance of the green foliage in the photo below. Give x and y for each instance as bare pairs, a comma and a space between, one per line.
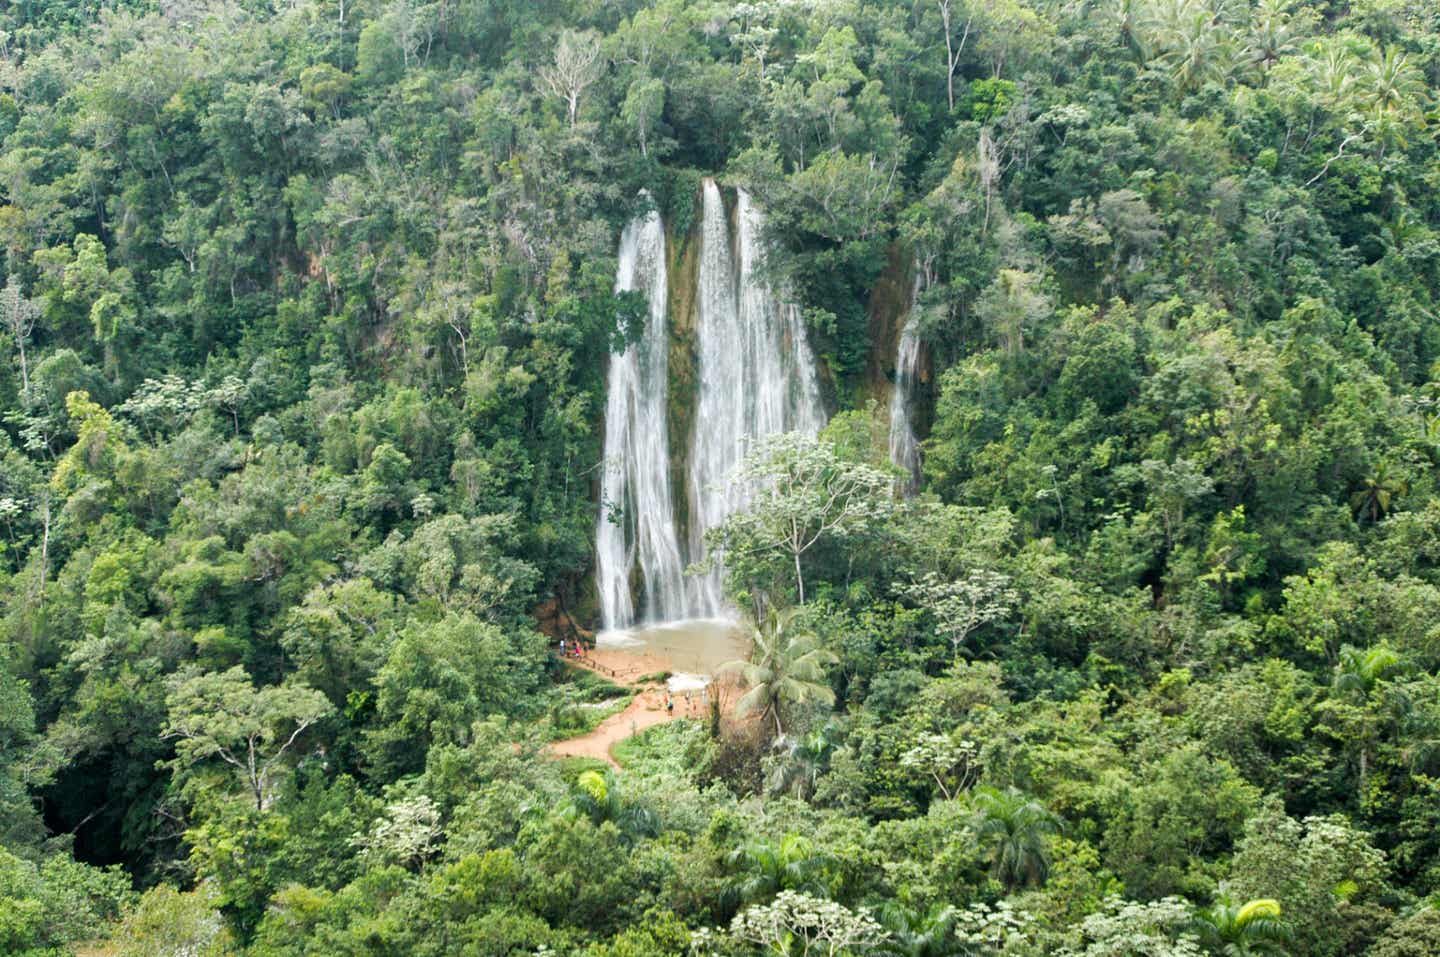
165, 920
1255, 927
809, 496
442, 677
305, 320
785, 670
222, 715
1325, 874
45, 906
1013, 829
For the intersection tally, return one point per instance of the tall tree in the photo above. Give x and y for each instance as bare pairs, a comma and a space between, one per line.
1014, 829
220, 714
951, 16
579, 63
18, 315
961, 606
804, 493
786, 668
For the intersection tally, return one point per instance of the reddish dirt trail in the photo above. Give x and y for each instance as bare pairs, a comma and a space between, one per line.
645, 710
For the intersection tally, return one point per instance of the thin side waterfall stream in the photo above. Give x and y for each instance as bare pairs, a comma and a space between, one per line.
904, 446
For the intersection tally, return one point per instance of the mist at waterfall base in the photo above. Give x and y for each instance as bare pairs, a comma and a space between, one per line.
755, 377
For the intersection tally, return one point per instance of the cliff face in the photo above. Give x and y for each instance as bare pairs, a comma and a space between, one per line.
688, 278
889, 305
683, 262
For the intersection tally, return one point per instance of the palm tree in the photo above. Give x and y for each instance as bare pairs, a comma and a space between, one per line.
1359, 671
1197, 50
1365, 704
1273, 34
1395, 92
1430, 434
1125, 19
803, 760
786, 668
1192, 39
1013, 828
1242, 931
1394, 85
764, 869
600, 798
921, 934
1378, 493
1333, 68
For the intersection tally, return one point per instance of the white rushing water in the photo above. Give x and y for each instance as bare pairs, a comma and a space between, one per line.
756, 375
635, 487
904, 446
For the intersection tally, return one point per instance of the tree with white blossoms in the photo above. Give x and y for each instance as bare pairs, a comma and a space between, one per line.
11, 508
803, 492
979, 930
406, 834
963, 605
984, 929
755, 32
799, 925
163, 405
953, 765
229, 395
1131, 929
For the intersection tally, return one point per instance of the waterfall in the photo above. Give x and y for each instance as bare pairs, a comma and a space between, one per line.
756, 375
636, 478
904, 446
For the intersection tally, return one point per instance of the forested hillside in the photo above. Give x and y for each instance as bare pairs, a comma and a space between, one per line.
306, 314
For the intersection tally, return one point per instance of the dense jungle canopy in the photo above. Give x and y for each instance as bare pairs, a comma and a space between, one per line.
306, 313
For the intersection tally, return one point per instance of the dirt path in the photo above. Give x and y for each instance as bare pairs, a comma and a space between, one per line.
645, 710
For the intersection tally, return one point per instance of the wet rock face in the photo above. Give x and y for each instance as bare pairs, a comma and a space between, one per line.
889, 309
555, 622
756, 373
904, 445
683, 256
898, 373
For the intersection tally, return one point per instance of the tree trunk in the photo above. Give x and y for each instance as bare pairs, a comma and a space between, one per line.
44, 545
949, 56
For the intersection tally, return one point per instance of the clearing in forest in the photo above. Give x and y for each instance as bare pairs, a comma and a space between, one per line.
640, 673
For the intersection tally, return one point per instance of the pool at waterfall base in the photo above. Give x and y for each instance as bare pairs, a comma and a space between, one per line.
693, 649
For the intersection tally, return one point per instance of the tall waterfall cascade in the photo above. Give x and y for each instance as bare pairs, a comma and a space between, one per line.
904, 446
637, 511
755, 377
756, 371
